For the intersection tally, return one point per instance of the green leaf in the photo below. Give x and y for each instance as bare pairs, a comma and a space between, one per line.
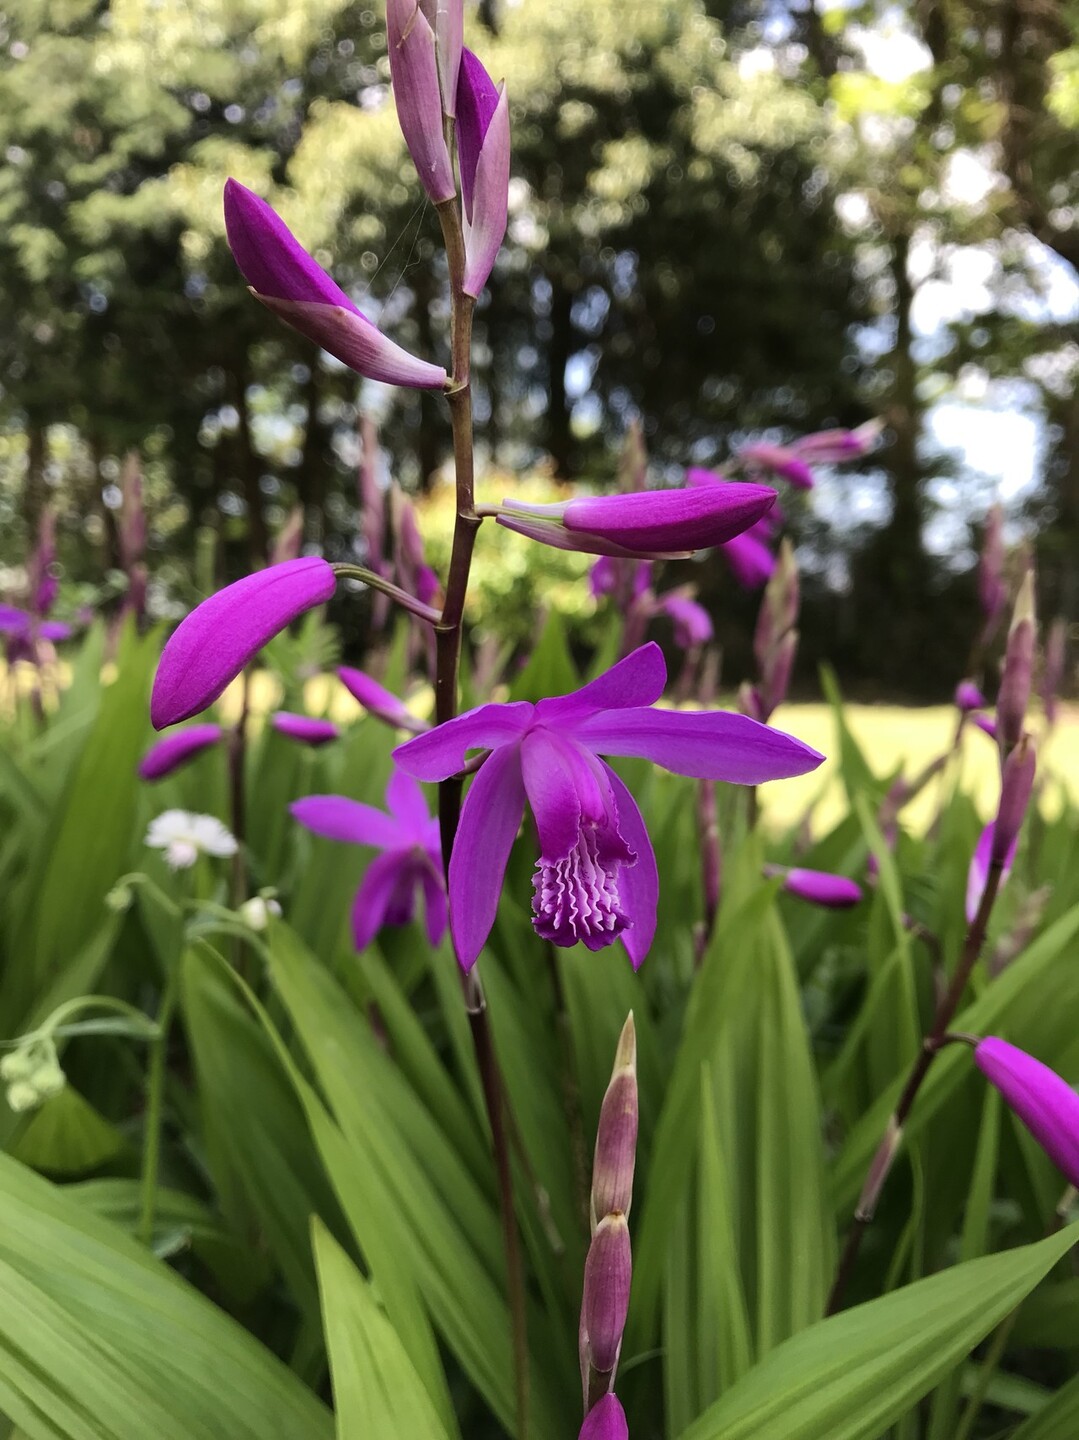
1058, 1420
853, 1375
376, 1390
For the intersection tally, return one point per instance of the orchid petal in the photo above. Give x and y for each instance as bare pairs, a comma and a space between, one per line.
380, 887
605, 1421
658, 521
751, 562
351, 338
212, 645
379, 701
551, 769
1046, 1103
305, 728
441, 752
820, 887
336, 818
638, 884
635, 681
271, 259
407, 803
485, 228
175, 750
53, 630
12, 620
417, 94
490, 819
706, 744
477, 100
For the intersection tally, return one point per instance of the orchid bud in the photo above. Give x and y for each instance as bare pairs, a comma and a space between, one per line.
447, 20
483, 148
751, 562
605, 1301
289, 540
776, 675
1016, 787
779, 605
380, 702
828, 447
987, 853
1014, 692
819, 887
749, 701
992, 592
650, 524
304, 728
779, 460
291, 283
1046, 1104
176, 750
616, 1133
417, 94
605, 1421
212, 645
968, 697
1053, 670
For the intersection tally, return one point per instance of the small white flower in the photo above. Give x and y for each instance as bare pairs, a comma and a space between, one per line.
257, 911
184, 836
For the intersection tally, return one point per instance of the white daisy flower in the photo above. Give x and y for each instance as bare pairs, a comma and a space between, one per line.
184, 837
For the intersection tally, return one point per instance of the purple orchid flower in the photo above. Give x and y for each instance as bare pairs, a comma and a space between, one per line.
24, 628
596, 880
1046, 1104
831, 447
212, 645
750, 560
605, 1421
968, 697
411, 856
291, 283
646, 525
378, 701
417, 93
781, 460
304, 728
819, 887
483, 148
176, 750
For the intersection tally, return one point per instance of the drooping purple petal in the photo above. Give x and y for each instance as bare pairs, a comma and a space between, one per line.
485, 228
605, 1421
435, 903
1046, 1104
978, 874
751, 562
54, 630
490, 819
417, 94
379, 701
407, 803
819, 887
708, 745
637, 680
175, 750
305, 728
442, 751
386, 896
271, 259
335, 817
639, 884
477, 100
212, 645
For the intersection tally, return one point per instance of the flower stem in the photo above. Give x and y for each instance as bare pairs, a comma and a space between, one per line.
884, 1158
448, 638
387, 587
155, 1093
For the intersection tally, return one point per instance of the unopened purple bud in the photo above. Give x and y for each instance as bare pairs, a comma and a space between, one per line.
1016, 787
692, 622
986, 853
214, 643
819, 887
608, 1271
605, 1421
749, 701
780, 460
616, 1133
483, 147
447, 20
417, 93
750, 560
776, 677
1014, 693
378, 701
291, 283
986, 724
1046, 1104
304, 728
968, 697
176, 750
827, 447
650, 524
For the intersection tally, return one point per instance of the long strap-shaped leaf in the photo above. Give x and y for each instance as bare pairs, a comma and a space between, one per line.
851, 1376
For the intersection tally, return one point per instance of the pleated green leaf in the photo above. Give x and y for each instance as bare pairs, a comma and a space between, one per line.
1058, 1420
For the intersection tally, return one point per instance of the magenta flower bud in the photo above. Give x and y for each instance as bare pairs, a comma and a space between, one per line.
291, 283
986, 724
1014, 693
749, 702
692, 622
447, 20
1046, 1104
410, 41
968, 697
304, 728
483, 148
776, 676
380, 702
987, 852
1016, 786
992, 592
176, 750
605, 1421
779, 460
779, 607
830, 447
750, 560
608, 1271
1053, 670
650, 524
212, 645
616, 1133
819, 887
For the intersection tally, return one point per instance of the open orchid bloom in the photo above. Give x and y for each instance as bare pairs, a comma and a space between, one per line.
292, 284
411, 856
596, 880
1046, 1104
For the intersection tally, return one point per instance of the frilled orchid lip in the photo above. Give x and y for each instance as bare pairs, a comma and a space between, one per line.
646, 524
410, 862
291, 283
597, 867
211, 646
